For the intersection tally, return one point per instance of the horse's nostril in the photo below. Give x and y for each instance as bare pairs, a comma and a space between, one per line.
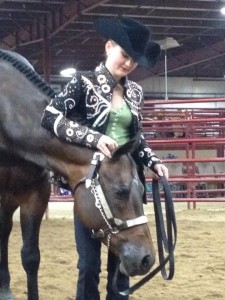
147, 262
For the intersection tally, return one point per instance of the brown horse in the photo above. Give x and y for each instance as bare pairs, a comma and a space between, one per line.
108, 200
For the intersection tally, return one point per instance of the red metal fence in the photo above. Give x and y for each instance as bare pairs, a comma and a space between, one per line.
198, 134
197, 174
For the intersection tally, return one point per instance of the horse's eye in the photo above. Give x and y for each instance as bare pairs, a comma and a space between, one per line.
122, 193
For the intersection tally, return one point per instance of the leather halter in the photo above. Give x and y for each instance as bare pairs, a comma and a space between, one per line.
114, 225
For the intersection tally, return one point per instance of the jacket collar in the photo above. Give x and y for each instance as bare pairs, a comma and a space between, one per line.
107, 82
105, 79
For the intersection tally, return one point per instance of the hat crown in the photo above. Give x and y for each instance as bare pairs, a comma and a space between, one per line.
132, 36
138, 34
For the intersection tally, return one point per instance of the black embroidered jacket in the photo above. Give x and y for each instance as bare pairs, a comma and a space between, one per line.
80, 113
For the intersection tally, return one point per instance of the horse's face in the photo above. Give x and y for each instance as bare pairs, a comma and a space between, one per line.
123, 192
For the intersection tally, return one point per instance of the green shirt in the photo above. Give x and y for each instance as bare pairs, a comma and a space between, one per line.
119, 123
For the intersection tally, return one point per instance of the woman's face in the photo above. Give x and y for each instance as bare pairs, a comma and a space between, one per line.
118, 62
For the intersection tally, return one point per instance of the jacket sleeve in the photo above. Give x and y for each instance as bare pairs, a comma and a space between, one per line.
146, 155
56, 121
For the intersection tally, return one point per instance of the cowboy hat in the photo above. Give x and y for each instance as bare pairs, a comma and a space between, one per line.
132, 36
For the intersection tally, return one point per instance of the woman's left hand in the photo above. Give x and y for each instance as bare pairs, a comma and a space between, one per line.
161, 170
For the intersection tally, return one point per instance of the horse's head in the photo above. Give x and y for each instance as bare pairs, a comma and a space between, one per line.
112, 207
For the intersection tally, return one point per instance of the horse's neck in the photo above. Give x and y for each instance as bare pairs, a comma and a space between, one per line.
21, 134
71, 161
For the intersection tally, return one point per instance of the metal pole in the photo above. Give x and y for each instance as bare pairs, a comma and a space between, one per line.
166, 88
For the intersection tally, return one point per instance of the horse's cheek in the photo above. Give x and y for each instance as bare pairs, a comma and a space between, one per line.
85, 209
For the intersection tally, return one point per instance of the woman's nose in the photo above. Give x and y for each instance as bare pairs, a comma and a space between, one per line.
129, 62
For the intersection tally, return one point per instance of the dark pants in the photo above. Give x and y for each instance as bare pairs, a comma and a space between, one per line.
89, 265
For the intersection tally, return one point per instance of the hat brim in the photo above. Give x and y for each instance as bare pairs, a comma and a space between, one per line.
111, 29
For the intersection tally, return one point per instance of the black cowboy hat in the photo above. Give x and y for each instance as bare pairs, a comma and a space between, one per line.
132, 36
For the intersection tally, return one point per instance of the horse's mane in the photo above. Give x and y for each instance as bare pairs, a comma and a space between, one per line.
28, 72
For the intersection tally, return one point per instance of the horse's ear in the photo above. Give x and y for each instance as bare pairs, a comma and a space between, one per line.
129, 147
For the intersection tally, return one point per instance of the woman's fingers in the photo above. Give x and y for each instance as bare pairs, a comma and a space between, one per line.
106, 145
104, 149
162, 170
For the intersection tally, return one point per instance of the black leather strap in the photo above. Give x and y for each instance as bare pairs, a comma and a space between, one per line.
166, 238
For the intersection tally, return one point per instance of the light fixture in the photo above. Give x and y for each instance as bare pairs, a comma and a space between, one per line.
69, 72
168, 43
223, 10
165, 44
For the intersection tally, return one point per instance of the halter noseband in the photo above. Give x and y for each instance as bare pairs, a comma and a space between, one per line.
114, 225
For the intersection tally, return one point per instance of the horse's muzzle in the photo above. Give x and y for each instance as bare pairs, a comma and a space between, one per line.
136, 260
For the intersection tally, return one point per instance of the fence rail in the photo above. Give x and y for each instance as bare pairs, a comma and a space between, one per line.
196, 178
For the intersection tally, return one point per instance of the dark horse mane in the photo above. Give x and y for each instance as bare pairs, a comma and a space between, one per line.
27, 71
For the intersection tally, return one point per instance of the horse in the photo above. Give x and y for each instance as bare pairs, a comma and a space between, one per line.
107, 191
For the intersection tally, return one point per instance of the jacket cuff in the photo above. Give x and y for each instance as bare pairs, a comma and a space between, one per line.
155, 162
92, 138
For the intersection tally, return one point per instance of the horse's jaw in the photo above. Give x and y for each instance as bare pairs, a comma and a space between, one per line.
136, 260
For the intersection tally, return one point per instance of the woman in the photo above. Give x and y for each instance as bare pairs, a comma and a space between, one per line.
103, 110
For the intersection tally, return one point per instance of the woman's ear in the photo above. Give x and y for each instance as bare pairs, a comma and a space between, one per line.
108, 46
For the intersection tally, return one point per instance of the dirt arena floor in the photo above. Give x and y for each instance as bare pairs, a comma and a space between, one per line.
199, 266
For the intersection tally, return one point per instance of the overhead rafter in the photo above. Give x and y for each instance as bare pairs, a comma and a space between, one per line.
197, 25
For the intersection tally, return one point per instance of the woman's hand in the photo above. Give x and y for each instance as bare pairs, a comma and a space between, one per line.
161, 170
107, 145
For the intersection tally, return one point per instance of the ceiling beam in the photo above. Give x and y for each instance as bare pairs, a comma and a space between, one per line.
55, 23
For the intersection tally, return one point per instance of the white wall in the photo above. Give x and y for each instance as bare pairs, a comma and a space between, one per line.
183, 87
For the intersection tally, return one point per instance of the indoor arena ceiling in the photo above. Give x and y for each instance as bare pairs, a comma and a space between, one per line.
63, 31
